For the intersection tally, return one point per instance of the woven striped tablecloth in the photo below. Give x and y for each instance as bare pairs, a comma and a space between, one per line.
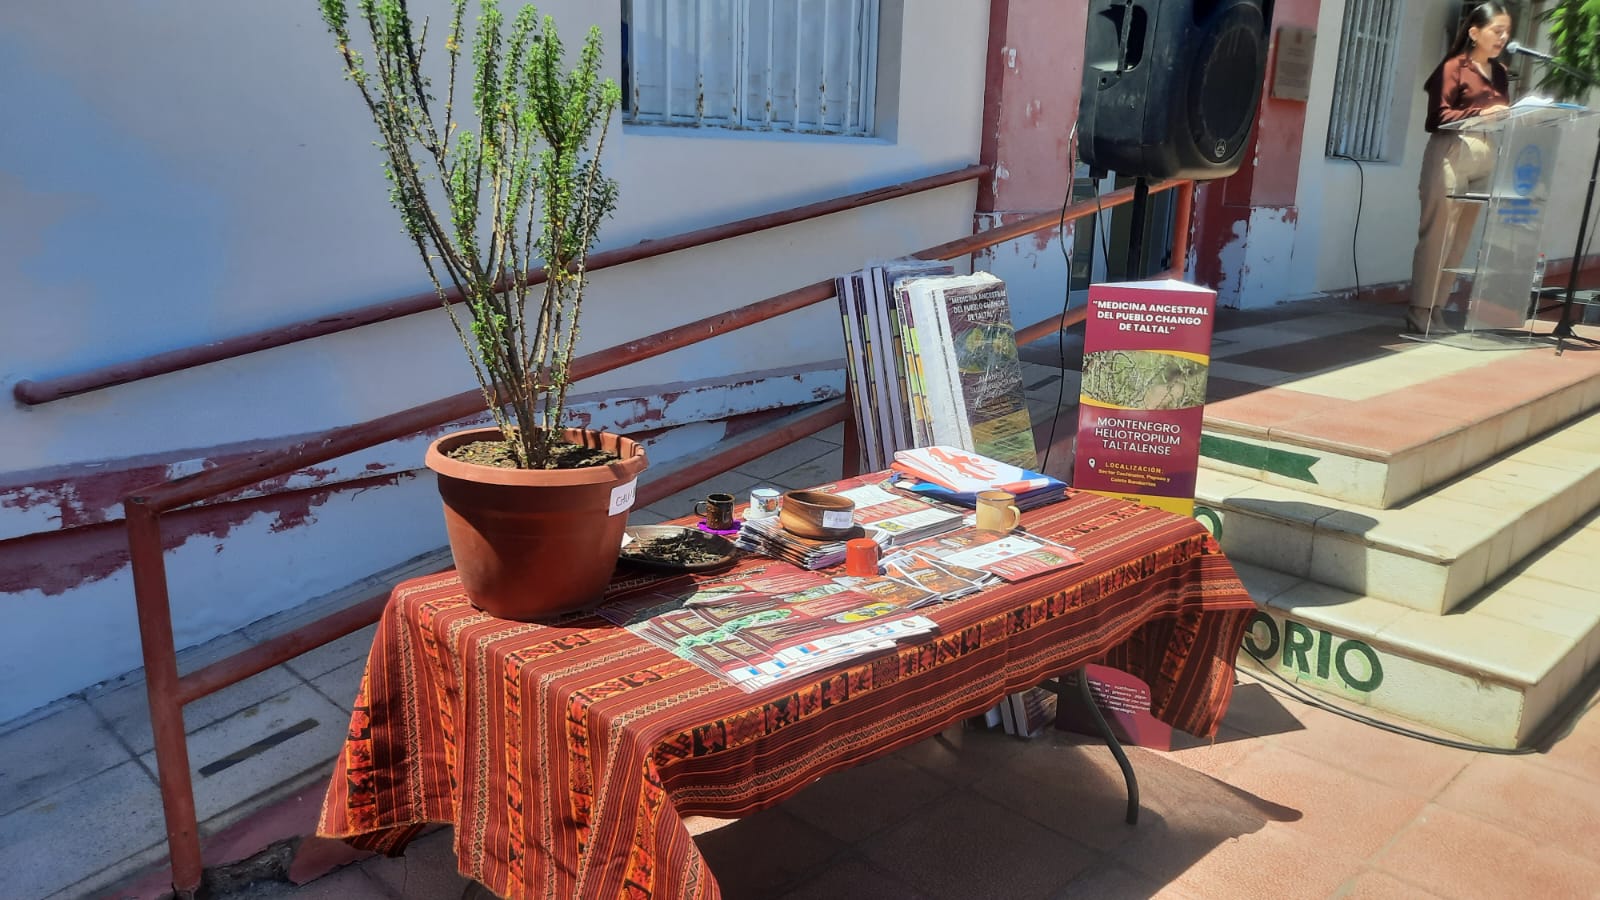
565, 755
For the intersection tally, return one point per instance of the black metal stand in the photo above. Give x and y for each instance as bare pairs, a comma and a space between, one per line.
1133, 267
1563, 330
1128, 777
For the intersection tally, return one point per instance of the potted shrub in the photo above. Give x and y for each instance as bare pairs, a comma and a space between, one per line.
495, 173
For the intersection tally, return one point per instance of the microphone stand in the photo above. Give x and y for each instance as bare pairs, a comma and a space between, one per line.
1563, 330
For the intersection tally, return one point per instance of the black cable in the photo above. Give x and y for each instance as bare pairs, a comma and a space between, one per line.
1361, 199
1099, 222
1306, 697
1066, 294
1577, 264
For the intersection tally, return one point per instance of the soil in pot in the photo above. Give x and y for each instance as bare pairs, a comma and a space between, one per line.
499, 455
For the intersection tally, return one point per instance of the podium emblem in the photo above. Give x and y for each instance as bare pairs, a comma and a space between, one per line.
1525, 173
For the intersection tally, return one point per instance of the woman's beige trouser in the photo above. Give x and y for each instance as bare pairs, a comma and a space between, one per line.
1453, 163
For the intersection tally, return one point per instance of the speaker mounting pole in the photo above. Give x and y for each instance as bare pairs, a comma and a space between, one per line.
1133, 267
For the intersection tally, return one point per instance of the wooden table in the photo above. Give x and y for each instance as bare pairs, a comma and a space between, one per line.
566, 754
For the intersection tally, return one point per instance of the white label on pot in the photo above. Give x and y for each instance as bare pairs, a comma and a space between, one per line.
837, 518
622, 497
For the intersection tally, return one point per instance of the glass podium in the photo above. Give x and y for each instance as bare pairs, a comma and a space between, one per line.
1497, 269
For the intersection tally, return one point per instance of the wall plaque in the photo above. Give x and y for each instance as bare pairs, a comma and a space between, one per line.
1291, 69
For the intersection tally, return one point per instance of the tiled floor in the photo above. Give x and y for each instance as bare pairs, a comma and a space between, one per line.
1289, 801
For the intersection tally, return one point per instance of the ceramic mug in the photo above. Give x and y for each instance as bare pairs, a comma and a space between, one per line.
717, 510
997, 511
764, 502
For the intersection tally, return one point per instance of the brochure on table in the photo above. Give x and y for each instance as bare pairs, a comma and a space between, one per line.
761, 623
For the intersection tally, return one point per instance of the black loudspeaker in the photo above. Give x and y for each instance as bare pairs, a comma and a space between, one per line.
1170, 87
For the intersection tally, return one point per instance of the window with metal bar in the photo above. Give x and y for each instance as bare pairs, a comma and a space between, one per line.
767, 65
1363, 87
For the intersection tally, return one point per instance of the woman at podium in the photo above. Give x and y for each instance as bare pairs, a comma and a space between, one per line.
1470, 81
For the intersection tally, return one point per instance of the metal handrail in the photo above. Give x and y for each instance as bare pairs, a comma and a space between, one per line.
168, 692
34, 392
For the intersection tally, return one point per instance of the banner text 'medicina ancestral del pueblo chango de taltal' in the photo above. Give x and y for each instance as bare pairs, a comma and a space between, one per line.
1146, 354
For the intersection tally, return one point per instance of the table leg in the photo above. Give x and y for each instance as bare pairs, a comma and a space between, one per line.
1123, 763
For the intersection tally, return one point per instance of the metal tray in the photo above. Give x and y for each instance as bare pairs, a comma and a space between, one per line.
721, 551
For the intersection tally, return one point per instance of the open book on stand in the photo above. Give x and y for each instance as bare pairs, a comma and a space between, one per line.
932, 359
966, 346
876, 359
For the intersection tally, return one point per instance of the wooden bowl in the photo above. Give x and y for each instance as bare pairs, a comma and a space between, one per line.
817, 515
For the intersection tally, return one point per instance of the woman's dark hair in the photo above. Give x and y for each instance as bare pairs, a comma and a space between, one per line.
1477, 17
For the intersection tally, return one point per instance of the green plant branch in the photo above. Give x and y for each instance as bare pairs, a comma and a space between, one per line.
544, 198
1574, 30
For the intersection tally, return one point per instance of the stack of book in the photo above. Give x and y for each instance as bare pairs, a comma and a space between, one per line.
952, 475
767, 537
1028, 499
932, 358
900, 519
876, 357
887, 517
1027, 713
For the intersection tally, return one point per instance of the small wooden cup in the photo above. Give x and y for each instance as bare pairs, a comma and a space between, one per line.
817, 514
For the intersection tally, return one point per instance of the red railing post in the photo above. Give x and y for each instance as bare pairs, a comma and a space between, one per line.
161, 685
1182, 213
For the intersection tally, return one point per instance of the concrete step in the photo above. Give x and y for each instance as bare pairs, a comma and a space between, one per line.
1491, 671
1430, 554
1347, 434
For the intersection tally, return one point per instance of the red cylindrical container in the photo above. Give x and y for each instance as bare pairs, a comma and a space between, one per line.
861, 557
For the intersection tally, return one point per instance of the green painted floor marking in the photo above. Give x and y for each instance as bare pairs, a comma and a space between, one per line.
1254, 456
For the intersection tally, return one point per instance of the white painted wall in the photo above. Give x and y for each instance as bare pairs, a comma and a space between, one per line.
169, 178
1329, 189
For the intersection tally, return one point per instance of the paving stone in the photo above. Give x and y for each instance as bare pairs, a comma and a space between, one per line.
787, 457
62, 839
320, 661
427, 869
349, 883
763, 854
822, 470
833, 434
1109, 881
261, 747
851, 877
1551, 808
127, 708
968, 846
340, 685
54, 753
1461, 856
899, 791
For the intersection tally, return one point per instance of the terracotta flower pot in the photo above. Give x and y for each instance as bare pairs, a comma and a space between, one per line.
534, 543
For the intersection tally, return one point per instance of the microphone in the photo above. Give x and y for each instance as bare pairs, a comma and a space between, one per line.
1517, 49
